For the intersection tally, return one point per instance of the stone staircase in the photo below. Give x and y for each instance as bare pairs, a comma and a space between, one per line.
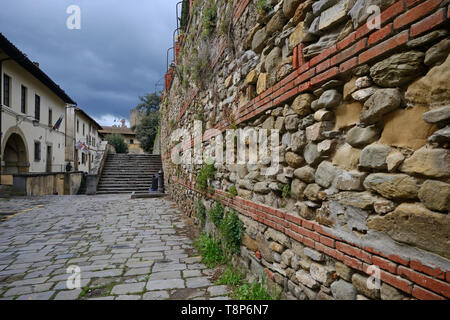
127, 173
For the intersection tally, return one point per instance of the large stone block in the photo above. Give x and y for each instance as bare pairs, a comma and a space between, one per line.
434, 163
393, 186
347, 157
415, 225
435, 195
433, 89
405, 128
360, 137
399, 69
342, 290
380, 103
374, 157
259, 40
360, 283
334, 15
297, 189
326, 173
302, 104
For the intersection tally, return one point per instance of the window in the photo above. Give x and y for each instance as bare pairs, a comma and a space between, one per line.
83, 158
37, 151
6, 90
84, 129
131, 141
78, 126
23, 100
50, 116
37, 107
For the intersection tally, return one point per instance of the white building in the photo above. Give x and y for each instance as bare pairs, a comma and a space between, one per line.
32, 115
87, 140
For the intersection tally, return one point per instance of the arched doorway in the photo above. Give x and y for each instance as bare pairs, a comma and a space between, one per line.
15, 155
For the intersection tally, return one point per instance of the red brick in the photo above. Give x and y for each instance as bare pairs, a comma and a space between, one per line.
392, 12
380, 34
348, 65
428, 23
322, 56
396, 281
269, 273
423, 294
348, 53
435, 285
303, 67
308, 242
384, 264
294, 236
434, 272
300, 55
362, 31
307, 233
352, 262
308, 224
344, 43
447, 276
325, 76
327, 241
305, 76
295, 58
384, 47
329, 251
411, 3
323, 66
304, 87
322, 231
416, 13
401, 260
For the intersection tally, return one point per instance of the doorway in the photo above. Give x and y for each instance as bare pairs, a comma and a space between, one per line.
49, 159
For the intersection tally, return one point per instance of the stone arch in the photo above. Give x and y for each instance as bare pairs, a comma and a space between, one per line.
15, 153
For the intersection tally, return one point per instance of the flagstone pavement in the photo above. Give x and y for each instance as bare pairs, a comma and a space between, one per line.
118, 249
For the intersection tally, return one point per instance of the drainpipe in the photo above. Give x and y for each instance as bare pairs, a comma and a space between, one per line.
1, 113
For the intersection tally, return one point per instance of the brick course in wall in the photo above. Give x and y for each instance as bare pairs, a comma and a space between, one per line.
412, 277
403, 21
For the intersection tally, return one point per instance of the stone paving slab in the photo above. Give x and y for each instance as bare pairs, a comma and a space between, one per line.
125, 250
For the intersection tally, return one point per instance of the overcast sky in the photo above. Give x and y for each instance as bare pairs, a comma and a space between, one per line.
118, 54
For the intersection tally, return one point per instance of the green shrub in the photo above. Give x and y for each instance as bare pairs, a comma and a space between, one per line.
217, 213
211, 251
233, 191
206, 172
209, 21
231, 229
231, 277
286, 191
252, 291
264, 6
201, 212
118, 142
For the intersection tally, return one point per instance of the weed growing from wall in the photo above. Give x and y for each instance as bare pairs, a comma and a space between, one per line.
231, 229
206, 173
216, 214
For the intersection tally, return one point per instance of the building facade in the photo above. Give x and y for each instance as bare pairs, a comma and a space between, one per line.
32, 116
87, 140
134, 146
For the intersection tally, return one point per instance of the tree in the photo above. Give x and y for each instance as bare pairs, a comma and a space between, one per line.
149, 103
118, 142
147, 130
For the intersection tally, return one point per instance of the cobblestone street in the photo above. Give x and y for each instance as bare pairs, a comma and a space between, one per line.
125, 249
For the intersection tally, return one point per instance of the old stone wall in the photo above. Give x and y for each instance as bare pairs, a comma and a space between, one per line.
363, 112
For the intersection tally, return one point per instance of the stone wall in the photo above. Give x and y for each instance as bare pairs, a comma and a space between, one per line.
363, 115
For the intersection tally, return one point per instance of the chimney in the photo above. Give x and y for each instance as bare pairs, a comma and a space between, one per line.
123, 123
36, 63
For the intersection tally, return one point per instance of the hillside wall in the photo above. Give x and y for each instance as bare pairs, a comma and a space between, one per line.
363, 117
